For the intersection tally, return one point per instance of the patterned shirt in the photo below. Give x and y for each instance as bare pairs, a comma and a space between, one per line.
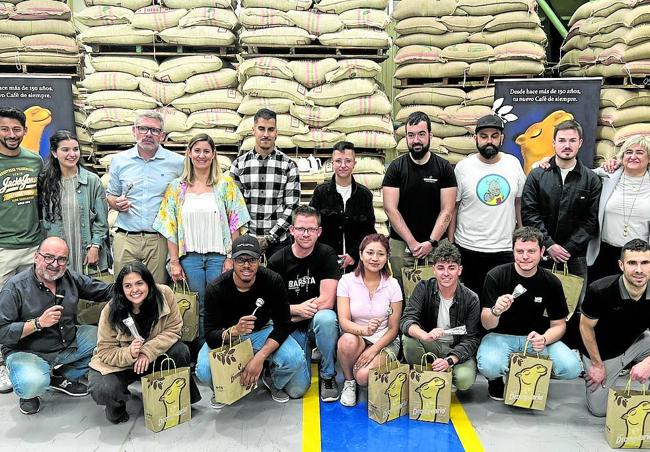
271, 188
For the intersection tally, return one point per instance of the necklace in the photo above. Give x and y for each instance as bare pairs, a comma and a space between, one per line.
626, 221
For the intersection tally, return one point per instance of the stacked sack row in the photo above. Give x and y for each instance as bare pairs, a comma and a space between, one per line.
37, 32
201, 23
195, 94
468, 38
318, 102
333, 23
608, 39
453, 112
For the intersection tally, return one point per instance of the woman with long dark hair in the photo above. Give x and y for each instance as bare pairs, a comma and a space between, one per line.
73, 204
120, 358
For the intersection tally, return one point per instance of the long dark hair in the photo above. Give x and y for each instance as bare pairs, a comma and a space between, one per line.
121, 306
367, 240
49, 181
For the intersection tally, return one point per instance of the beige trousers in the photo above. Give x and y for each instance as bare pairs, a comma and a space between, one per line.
150, 249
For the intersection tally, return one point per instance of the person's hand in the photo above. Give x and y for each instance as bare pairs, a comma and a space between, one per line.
558, 253
245, 325
227, 265
122, 204
373, 326
422, 249
346, 260
544, 163
640, 372
135, 347
306, 310
435, 334
252, 372
596, 376
610, 165
177, 272
440, 365
537, 340
366, 357
92, 256
141, 364
503, 303
50, 316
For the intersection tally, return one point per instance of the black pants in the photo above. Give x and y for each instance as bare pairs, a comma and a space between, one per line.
477, 264
111, 390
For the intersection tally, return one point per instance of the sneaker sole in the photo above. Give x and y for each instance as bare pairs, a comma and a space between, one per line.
349, 405
329, 399
28, 413
277, 399
6, 391
498, 399
71, 394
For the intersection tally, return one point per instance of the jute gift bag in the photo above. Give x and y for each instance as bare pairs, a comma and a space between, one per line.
572, 286
429, 392
388, 389
528, 380
166, 396
188, 305
88, 312
227, 364
626, 424
412, 275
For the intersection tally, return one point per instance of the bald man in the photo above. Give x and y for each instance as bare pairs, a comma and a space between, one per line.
42, 345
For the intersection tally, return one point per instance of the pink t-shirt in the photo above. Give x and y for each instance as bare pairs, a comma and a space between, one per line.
363, 308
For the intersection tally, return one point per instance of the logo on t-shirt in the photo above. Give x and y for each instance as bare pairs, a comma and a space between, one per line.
493, 190
300, 282
538, 299
430, 179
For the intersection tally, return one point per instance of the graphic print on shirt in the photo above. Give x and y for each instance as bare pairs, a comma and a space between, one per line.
301, 282
18, 185
493, 189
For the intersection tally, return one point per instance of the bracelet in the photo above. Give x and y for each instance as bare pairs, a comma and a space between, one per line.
544, 337
174, 261
494, 312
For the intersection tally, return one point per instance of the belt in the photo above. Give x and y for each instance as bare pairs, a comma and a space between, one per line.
123, 231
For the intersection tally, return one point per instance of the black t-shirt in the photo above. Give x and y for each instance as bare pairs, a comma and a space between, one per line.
419, 192
543, 300
225, 305
302, 277
621, 320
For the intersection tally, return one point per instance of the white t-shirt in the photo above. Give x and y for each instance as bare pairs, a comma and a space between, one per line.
345, 192
444, 319
487, 192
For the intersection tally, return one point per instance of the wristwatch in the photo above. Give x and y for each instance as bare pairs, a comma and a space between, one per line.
449, 360
433, 243
37, 324
494, 312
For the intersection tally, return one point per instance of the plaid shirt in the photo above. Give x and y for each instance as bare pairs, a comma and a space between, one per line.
271, 188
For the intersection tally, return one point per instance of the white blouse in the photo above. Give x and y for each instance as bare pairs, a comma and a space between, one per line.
201, 224
631, 208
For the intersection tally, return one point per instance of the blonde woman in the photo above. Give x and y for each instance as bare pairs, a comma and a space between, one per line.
202, 212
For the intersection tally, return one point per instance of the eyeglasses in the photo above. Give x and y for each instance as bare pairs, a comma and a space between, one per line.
144, 130
246, 260
339, 162
49, 259
307, 230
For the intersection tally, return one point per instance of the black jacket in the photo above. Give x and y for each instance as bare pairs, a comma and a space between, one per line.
356, 221
567, 214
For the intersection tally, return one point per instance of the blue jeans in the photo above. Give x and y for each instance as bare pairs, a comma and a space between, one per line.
324, 328
289, 370
30, 374
199, 270
493, 356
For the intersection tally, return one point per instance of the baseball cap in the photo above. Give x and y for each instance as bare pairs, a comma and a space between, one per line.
490, 122
246, 245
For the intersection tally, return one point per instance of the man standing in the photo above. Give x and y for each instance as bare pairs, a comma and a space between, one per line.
523, 302
488, 203
439, 304
138, 178
419, 190
20, 231
614, 326
250, 302
310, 273
270, 183
38, 309
345, 207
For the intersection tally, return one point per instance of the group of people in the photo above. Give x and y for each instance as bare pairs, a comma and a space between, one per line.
301, 279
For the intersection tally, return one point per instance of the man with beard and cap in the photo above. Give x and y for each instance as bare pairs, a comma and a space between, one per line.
488, 204
419, 189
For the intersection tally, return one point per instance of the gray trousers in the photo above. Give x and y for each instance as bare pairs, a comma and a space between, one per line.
638, 351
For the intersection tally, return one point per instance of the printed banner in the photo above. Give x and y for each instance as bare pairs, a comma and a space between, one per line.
533, 107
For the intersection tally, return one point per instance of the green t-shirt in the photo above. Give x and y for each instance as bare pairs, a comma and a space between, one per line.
19, 222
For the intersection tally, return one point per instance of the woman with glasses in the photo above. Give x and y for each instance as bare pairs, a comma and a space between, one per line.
121, 357
369, 304
73, 204
201, 213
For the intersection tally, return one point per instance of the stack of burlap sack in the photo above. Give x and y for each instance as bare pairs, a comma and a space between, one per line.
318, 102
608, 38
209, 23
468, 38
334, 23
195, 94
80, 116
37, 32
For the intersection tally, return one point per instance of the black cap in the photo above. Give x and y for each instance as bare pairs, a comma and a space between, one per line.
490, 122
246, 244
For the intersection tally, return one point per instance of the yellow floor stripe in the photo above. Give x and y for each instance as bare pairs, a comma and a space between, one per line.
311, 415
464, 428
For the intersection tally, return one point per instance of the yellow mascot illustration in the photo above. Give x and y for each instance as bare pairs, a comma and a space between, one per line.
38, 118
171, 398
183, 306
429, 394
537, 141
634, 420
394, 393
528, 379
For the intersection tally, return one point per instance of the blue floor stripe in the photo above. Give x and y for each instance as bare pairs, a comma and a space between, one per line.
350, 429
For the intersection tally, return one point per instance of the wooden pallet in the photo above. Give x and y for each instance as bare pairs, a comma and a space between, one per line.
313, 52
162, 49
482, 81
53, 69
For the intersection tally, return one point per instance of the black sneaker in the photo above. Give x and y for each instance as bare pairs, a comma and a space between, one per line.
329, 390
116, 414
71, 388
30, 406
496, 388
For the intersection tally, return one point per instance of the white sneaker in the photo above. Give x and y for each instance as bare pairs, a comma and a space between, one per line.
5, 382
349, 393
216, 405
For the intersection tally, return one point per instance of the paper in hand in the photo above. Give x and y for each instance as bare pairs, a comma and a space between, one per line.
519, 290
457, 330
132, 328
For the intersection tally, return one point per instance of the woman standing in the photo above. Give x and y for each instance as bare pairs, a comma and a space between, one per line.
120, 358
200, 215
73, 203
369, 303
624, 210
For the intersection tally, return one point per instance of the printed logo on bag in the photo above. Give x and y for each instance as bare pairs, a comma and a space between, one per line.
413, 274
429, 400
171, 399
227, 357
634, 420
394, 393
528, 379
183, 305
